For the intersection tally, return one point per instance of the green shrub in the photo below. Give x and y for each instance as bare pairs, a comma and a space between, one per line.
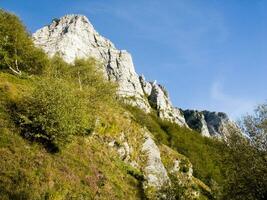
17, 51
65, 102
246, 170
150, 121
53, 112
175, 191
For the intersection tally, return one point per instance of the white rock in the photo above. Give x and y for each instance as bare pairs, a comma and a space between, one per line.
154, 170
159, 100
73, 36
176, 166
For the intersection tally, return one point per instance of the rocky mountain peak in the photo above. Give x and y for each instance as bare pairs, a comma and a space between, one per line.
73, 36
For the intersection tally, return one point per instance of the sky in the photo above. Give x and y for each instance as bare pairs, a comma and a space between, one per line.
209, 54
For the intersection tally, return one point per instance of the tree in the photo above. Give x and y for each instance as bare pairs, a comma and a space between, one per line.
245, 170
17, 51
255, 127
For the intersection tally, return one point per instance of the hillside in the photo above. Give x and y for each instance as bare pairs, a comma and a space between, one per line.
77, 122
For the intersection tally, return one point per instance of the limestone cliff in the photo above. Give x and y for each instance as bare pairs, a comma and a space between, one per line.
73, 36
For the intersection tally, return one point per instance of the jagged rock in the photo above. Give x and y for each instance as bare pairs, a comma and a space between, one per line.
154, 170
216, 124
73, 36
159, 100
147, 87
219, 124
122, 147
196, 121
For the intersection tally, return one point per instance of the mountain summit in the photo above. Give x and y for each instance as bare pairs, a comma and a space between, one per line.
73, 36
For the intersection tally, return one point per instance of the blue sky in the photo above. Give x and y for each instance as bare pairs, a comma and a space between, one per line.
210, 54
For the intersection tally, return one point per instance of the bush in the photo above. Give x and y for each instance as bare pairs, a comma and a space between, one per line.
17, 51
65, 102
246, 170
175, 191
150, 121
53, 113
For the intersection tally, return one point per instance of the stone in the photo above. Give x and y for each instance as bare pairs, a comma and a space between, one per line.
154, 170
219, 124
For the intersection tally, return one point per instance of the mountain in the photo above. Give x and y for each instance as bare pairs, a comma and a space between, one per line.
91, 128
73, 36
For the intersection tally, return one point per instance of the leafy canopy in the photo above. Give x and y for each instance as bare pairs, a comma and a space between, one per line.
17, 51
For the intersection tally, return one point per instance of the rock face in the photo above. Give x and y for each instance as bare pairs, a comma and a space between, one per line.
196, 121
216, 124
219, 124
73, 36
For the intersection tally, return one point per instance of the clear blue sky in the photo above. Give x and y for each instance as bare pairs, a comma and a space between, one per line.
210, 54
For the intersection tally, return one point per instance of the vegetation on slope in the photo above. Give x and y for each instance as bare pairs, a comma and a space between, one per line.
83, 168
203, 152
17, 51
233, 169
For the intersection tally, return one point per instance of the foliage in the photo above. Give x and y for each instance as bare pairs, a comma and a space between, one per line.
60, 103
17, 52
53, 113
246, 170
150, 121
87, 169
255, 127
233, 169
245, 159
174, 191
84, 169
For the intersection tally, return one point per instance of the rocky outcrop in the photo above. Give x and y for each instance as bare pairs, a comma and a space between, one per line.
159, 100
215, 124
196, 121
219, 124
73, 36
154, 170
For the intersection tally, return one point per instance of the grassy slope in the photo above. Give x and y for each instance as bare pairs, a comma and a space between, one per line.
85, 168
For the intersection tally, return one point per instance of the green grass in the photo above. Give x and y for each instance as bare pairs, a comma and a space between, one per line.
86, 169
